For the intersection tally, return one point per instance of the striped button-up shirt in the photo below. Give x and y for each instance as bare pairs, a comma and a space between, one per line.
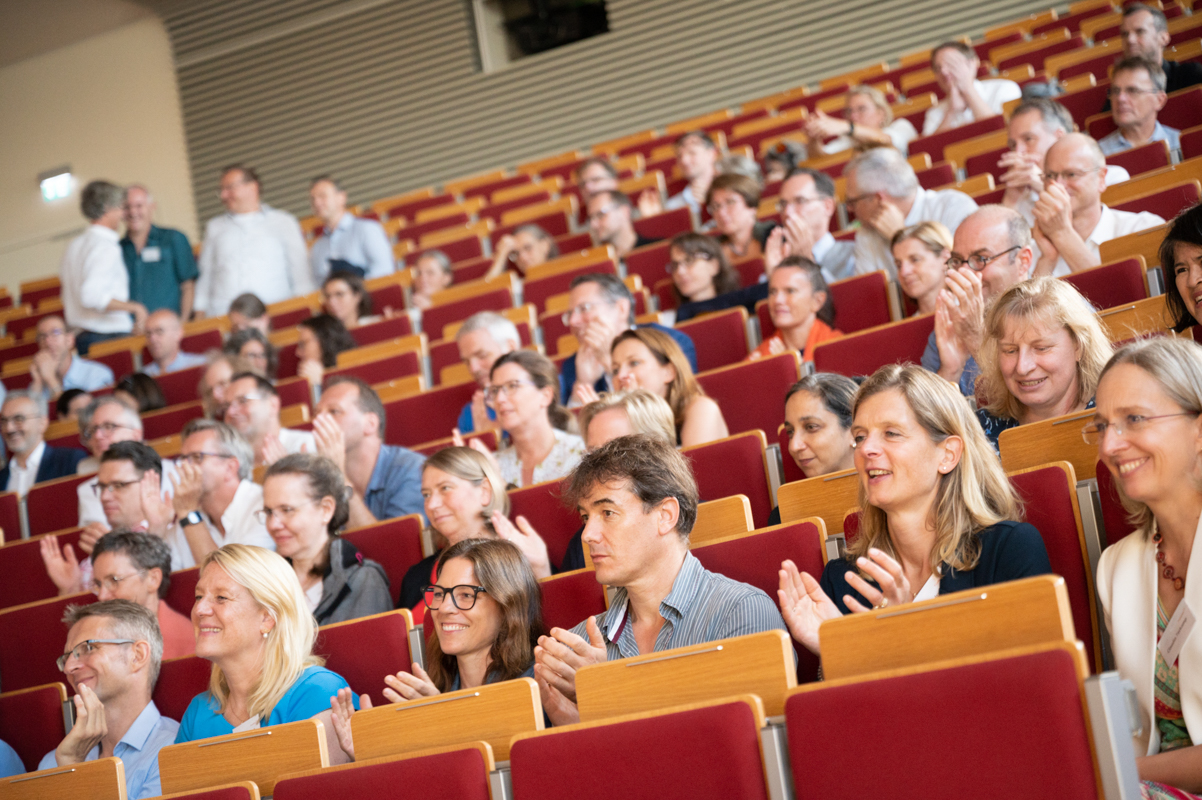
702, 607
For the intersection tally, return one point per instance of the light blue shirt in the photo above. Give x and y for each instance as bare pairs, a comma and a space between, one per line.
182, 361
139, 752
10, 762
395, 488
1115, 143
968, 378
87, 375
357, 241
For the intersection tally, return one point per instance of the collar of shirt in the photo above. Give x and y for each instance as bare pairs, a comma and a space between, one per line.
822, 246
136, 737
104, 232
918, 211
32, 463
239, 509
152, 236
344, 225
380, 474
671, 608
1104, 230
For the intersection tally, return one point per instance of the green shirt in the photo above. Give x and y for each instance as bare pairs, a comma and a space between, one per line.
156, 273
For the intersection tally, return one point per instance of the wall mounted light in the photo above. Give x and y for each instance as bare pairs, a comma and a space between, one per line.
56, 184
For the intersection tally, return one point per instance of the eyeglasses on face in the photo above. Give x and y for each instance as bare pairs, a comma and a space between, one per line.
44, 335
1130, 91
584, 309
282, 513
18, 419
463, 597
672, 266
107, 427
245, 399
113, 581
198, 457
85, 649
601, 213
115, 486
977, 261
1095, 432
508, 388
1069, 175
797, 202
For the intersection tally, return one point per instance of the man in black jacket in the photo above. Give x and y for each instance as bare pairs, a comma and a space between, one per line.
23, 421
1145, 33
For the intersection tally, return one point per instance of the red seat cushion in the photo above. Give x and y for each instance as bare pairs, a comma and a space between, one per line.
364, 650
866, 352
1111, 285
571, 598
461, 774
180, 679
25, 578
720, 338
436, 318
542, 505
861, 302
395, 544
39, 630
32, 722
762, 409
54, 505
427, 416
735, 465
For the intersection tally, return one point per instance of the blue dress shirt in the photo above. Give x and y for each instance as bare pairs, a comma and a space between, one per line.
567, 370
361, 242
10, 762
395, 488
182, 361
87, 375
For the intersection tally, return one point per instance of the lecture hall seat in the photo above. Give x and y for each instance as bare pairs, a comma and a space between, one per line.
180, 386
366, 649
1112, 284
396, 544
862, 302
458, 771
544, 508
101, 779
31, 721
25, 578
1166, 203
1145, 158
181, 594
762, 409
54, 505
436, 318
666, 224
426, 416
720, 337
248, 755
865, 352
733, 465
10, 517
180, 680
571, 597
171, 420
383, 330
39, 629
1115, 518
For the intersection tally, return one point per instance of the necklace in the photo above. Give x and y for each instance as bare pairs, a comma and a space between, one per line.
1166, 570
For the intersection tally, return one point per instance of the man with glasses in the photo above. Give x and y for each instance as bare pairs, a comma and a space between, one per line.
23, 424
349, 427
162, 269
807, 204
164, 332
884, 195
595, 175
111, 659
1137, 93
106, 421
56, 368
1070, 218
991, 252
254, 412
214, 500
611, 222
1145, 33
483, 339
250, 248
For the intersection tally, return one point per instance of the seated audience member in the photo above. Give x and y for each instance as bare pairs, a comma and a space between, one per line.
801, 310
1034, 126
739, 164
482, 339
528, 246
611, 222
253, 623
1137, 93
111, 659
780, 159
56, 368
23, 425
644, 358
884, 194
254, 412
867, 122
486, 608
106, 421
255, 351
70, 403
319, 341
807, 204
140, 391
463, 495
248, 311
991, 252
697, 157
431, 274
345, 298
1181, 259
345, 243
1147, 431
595, 175
10, 762
524, 391
600, 307
1070, 218
818, 424
955, 65
385, 479
1144, 32
164, 331
733, 201
214, 384
638, 500
1041, 356
937, 512
162, 270
920, 254
304, 507
699, 269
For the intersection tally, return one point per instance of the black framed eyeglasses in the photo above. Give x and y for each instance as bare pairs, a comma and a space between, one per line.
463, 596
977, 262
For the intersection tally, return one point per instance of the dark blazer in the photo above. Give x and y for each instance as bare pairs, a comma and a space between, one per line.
1009, 550
57, 462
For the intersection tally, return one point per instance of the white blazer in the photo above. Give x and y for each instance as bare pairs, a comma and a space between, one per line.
1127, 586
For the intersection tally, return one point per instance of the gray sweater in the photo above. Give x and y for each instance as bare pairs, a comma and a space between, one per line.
353, 587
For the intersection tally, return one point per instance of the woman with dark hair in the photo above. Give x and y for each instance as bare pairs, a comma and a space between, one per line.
431, 274
345, 298
733, 201
319, 341
255, 350
699, 268
1181, 258
524, 390
71, 402
305, 504
140, 391
486, 607
801, 309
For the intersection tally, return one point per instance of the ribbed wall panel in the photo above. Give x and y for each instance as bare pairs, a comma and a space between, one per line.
384, 93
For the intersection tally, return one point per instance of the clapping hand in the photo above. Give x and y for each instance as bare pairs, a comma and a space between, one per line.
893, 588
409, 686
804, 605
525, 538
342, 707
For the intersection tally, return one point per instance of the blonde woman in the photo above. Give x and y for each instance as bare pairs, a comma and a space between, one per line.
920, 253
937, 513
1041, 357
252, 621
867, 122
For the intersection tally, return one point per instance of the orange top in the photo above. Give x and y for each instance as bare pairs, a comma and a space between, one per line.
819, 332
178, 637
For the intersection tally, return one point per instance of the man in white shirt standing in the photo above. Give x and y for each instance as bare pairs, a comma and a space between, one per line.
164, 332
251, 248
347, 243
95, 290
955, 65
1070, 218
254, 412
883, 193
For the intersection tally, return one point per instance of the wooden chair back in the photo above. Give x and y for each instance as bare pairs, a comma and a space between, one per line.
1056, 439
829, 497
716, 519
102, 779
261, 756
242, 790
1131, 320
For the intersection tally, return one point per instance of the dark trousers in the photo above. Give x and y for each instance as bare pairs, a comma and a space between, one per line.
85, 339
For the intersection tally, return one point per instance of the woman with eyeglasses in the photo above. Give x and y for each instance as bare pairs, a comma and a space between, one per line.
1040, 357
801, 309
344, 297
699, 269
253, 622
733, 201
319, 341
920, 253
486, 608
528, 246
1148, 429
305, 504
937, 512
254, 350
1181, 258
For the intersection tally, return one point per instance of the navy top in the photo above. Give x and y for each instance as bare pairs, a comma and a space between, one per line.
57, 462
1009, 551
993, 425
567, 371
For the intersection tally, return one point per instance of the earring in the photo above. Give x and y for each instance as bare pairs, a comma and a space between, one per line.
265, 634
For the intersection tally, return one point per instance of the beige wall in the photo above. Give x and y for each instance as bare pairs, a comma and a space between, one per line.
107, 106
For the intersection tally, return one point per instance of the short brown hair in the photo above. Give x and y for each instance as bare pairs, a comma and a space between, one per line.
652, 469
741, 185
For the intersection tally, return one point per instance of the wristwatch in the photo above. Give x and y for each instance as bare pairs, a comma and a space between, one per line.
193, 518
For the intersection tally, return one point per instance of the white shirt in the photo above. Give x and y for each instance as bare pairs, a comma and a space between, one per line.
20, 479
295, 441
1111, 225
261, 252
835, 256
93, 275
942, 205
899, 131
1026, 206
90, 509
239, 523
995, 93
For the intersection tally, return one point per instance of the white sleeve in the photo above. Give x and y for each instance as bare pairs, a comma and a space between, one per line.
204, 266
103, 279
933, 118
297, 255
379, 251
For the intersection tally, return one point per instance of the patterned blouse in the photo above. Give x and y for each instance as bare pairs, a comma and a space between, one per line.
563, 458
1169, 720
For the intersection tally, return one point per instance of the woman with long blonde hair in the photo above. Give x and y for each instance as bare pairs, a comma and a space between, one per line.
937, 513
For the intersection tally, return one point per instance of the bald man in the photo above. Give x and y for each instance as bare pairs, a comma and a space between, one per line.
1070, 218
162, 270
164, 331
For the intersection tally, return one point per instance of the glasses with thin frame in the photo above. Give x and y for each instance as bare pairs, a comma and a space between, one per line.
463, 596
113, 582
199, 456
508, 388
1069, 175
85, 649
107, 427
115, 486
583, 309
283, 513
1130, 91
246, 399
18, 419
977, 262
782, 204
1095, 432
672, 266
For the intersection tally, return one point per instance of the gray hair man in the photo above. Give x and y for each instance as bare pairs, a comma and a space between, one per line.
483, 339
1137, 94
162, 269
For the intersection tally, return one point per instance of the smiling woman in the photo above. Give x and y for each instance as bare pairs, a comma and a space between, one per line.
1181, 254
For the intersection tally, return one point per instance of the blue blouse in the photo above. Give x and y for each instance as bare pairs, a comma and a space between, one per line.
307, 697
